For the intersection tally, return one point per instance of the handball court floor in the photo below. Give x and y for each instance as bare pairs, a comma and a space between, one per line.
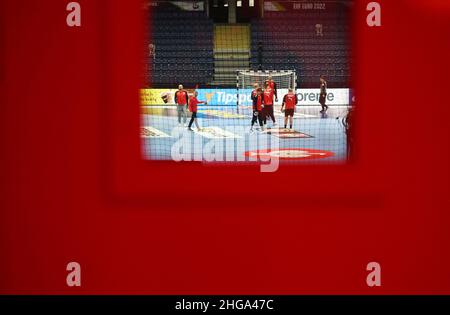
316, 137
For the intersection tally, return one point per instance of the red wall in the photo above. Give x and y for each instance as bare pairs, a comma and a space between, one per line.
73, 186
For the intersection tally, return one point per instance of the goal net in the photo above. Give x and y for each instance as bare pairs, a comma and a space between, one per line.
245, 79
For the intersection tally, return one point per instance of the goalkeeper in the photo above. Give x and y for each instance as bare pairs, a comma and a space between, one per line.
258, 105
323, 94
255, 89
290, 100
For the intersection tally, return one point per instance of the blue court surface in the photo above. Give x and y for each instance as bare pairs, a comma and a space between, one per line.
226, 136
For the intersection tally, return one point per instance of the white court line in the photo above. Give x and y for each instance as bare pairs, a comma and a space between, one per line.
297, 115
216, 133
151, 132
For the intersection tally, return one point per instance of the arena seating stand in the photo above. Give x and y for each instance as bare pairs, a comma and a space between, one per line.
183, 43
191, 49
288, 40
231, 52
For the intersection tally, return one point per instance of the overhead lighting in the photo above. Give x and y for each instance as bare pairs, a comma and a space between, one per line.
251, 3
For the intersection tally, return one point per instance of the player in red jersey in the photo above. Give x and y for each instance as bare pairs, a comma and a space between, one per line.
181, 100
193, 102
273, 86
258, 106
290, 100
268, 104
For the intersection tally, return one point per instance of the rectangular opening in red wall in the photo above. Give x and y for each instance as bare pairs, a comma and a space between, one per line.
267, 83
154, 155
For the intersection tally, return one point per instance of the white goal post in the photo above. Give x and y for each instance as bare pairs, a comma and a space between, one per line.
245, 79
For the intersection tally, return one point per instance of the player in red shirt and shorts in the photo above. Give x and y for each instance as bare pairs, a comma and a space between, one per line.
290, 100
273, 86
193, 102
268, 104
